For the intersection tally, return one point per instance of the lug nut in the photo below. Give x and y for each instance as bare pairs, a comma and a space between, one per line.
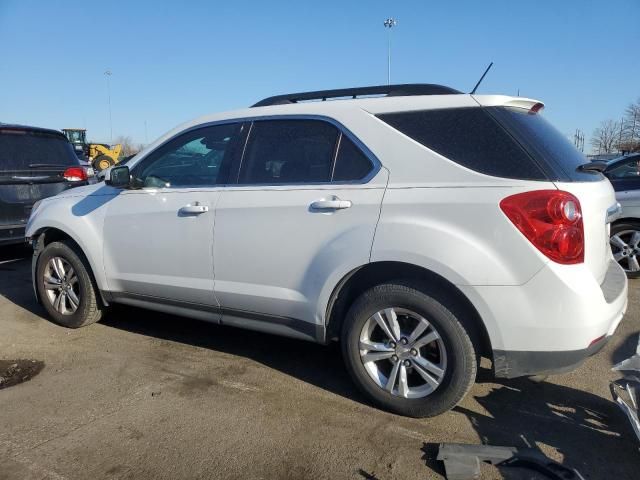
394, 358
406, 363
392, 344
403, 341
414, 352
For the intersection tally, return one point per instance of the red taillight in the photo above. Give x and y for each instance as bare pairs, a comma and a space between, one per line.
75, 174
551, 220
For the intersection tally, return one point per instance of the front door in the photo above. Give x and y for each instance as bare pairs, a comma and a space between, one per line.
158, 238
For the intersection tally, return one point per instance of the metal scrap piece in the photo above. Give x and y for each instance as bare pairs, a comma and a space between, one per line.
625, 391
462, 462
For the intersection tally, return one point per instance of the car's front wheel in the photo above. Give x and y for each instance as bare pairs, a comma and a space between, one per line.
65, 286
407, 351
625, 244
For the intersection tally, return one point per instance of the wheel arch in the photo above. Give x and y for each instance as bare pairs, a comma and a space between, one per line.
360, 279
47, 235
635, 220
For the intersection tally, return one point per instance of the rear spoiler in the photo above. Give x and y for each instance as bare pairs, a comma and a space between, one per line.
529, 104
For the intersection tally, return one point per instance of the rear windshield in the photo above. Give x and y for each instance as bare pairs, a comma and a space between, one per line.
25, 150
497, 141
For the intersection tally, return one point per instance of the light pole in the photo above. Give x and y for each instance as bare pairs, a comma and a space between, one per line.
108, 75
389, 23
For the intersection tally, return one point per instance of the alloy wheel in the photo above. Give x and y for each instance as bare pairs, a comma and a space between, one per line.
403, 353
626, 249
62, 286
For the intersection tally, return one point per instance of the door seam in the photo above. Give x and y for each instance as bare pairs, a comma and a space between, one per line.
375, 229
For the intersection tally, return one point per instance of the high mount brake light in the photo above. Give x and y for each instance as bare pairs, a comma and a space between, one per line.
536, 107
75, 174
551, 220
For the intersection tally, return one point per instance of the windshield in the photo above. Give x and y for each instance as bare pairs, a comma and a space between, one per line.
75, 136
23, 150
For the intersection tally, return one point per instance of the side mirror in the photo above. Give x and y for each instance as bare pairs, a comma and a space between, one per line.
118, 176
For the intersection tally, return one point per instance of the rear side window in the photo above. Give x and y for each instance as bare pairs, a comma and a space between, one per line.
470, 137
289, 151
351, 163
25, 150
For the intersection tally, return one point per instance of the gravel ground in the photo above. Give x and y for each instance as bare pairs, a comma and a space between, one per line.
143, 395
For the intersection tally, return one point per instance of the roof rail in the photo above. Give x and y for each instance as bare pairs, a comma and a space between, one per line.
407, 89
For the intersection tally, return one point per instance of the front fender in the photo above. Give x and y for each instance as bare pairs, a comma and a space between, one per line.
79, 218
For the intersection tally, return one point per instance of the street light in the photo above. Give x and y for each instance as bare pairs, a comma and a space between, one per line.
389, 23
108, 75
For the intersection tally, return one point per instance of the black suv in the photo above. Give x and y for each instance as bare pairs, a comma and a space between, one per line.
34, 163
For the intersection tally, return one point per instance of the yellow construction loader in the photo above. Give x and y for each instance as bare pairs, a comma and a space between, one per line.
99, 155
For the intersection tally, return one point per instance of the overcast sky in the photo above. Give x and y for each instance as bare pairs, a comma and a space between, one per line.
175, 60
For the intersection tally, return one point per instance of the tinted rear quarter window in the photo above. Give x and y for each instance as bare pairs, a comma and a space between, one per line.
22, 150
470, 137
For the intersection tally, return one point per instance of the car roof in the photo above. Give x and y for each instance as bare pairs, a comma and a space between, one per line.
341, 108
28, 128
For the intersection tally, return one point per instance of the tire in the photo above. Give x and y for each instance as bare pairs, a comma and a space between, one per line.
628, 252
69, 260
102, 162
458, 362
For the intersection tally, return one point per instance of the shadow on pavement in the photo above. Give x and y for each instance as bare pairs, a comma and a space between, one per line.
15, 278
315, 364
14, 252
588, 431
625, 349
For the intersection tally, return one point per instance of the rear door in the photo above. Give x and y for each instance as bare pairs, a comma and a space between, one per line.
303, 213
32, 164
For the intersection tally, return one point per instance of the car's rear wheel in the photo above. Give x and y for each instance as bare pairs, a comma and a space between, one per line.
625, 244
65, 285
407, 351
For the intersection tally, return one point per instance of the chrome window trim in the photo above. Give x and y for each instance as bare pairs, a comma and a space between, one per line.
375, 162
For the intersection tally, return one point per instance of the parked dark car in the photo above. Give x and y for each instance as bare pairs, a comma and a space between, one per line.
624, 174
34, 163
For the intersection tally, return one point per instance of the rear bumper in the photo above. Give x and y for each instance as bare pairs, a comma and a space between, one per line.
12, 234
511, 364
552, 323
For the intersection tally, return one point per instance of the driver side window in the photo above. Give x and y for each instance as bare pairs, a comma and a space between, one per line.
198, 158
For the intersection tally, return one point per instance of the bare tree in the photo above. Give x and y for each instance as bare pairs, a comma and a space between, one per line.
631, 129
128, 147
606, 137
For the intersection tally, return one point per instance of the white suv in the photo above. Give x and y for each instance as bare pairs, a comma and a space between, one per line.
420, 227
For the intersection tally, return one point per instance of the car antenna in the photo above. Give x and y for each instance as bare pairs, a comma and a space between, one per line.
481, 78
